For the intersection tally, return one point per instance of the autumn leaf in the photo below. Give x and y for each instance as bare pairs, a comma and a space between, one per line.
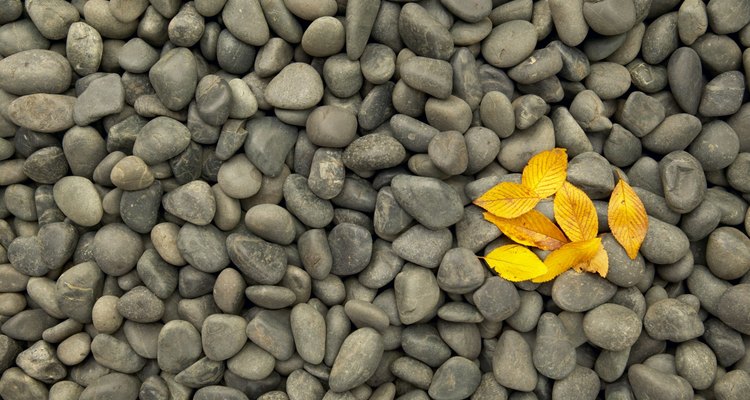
575, 213
515, 263
568, 256
627, 218
546, 172
508, 200
531, 229
597, 265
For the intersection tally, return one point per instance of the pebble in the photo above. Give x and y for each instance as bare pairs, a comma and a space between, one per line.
512, 363
716, 146
423, 34
297, 78
509, 43
680, 166
457, 378
567, 293
612, 327
460, 271
497, 299
251, 362
553, 353
428, 75
431, 202
417, 294
649, 382
373, 152
42, 112
673, 320
423, 246
160, 139
358, 358
726, 251
35, 71
174, 78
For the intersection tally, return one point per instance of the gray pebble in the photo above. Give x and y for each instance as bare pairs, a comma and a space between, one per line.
460, 271
179, 345
509, 43
323, 37
351, 248
423, 246
497, 299
567, 293
612, 327
174, 78
737, 172
417, 294
732, 385
331, 126
726, 253
239, 178
296, 87
731, 306
194, 202
553, 353
160, 139
722, 95
680, 166
649, 382
35, 71
268, 143
684, 71
244, 19
431, 202
716, 146
457, 378
140, 305
259, 260
357, 360
695, 362
641, 114
512, 362
591, 173
42, 112
423, 34
84, 48
671, 319
431, 76
373, 152
518, 149
251, 362
364, 314
203, 247
115, 354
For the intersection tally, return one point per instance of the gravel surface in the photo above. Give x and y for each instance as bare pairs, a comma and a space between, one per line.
272, 199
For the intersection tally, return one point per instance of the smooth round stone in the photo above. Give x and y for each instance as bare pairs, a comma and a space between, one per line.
78, 199
327, 173
482, 146
271, 222
719, 53
239, 178
716, 146
460, 271
696, 362
676, 132
417, 294
737, 173
684, 181
448, 152
671, 319
343, 77
323, 37
251, 362
270, 297
684, 72
608, 80
179, 345
569, 21
732, 308
423, 246
451, 114
131, 173
641, 114
243, 104
304, 204
244, 19
428, 75
331, 126
115, 354
612, 327
203, 247
722, 95
52, 18
193, 202
622, 148
309, 331
42, 112
351, 248
99, 15
373, 152
512, 363
496, 113
216, 392
174, 78
223, 336
105, 317
430, 201
457, 378
610, 17
213, 98
568, 293
261, 261
186, 28
497, 299
542, 64
377, 107
140, 305
423, 34
268, 143
517, 150
358, 358
39, 362
161, 139
727, 16
553, 353
84, 48
509, 43
732, 385
378, 63
728, 253
664, 243
297, 87
35, 71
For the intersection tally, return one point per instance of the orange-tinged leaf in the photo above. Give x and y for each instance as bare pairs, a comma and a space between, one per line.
575, 213
627, 218
566, 257
508, 200
597, 265
531, 229
515, 263
546, 172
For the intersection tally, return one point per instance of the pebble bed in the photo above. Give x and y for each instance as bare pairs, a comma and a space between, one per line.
271, 199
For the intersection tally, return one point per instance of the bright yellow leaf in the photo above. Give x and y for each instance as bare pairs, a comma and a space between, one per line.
515, 263
575, 213
546, 172
568, 256
597, 265
627, 218
531, 229
508, 200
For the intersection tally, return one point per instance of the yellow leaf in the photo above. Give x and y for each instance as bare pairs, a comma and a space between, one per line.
508, 200
597, 265
531, 229
515, 263
627, 218
575, 213
546, 172
569, 255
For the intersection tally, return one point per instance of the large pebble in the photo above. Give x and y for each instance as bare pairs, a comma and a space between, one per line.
357, 360
512, 362
417, 294
430, 201
174, 78
612, 327
671, 319
35, 71
297, 87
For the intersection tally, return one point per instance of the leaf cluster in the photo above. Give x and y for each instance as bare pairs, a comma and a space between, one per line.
571, 239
